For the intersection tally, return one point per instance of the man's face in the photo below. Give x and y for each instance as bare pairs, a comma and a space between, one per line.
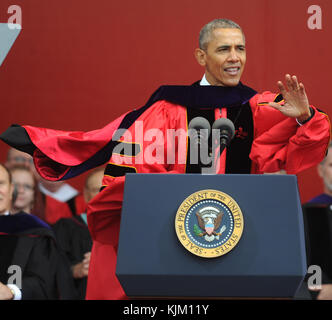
16, 157
6, 191
325, 170
93, 185
225, 57
24, 184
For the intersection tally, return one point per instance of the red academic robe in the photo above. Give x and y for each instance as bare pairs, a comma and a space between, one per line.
280, 143
55, 210
51, 210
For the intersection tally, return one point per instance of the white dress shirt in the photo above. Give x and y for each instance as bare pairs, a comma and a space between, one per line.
204, 82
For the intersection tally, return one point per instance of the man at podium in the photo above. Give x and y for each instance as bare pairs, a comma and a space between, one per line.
273, 132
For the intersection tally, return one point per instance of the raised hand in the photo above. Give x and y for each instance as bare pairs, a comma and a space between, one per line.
296, 101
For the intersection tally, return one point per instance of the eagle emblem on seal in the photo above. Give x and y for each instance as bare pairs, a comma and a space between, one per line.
209, 221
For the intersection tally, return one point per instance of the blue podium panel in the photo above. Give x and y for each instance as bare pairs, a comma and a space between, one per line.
268, 261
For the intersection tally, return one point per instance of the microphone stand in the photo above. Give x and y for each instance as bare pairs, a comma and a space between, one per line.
221, 142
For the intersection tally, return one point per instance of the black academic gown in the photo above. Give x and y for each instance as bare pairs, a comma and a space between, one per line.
74, 238
29, 243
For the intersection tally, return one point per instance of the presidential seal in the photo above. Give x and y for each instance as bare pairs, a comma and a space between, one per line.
209, 223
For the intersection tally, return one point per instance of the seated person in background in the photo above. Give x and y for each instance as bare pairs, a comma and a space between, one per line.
74, 238
25, 189
58, 200
54, 200
28, 245
325, 172
18, 158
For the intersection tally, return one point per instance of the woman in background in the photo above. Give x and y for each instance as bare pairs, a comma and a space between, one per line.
25, 189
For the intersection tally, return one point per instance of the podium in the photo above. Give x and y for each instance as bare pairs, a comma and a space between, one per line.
269, 260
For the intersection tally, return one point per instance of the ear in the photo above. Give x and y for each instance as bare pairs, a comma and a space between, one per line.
200, 56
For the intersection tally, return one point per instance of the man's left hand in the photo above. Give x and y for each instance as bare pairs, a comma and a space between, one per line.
296, 101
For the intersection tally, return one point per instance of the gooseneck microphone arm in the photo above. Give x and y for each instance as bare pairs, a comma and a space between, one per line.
199, 130
225, 131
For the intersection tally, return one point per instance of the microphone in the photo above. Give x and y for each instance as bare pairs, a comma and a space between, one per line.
226, 132
199, 130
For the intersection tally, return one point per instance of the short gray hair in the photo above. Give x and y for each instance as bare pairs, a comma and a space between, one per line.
206, 31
